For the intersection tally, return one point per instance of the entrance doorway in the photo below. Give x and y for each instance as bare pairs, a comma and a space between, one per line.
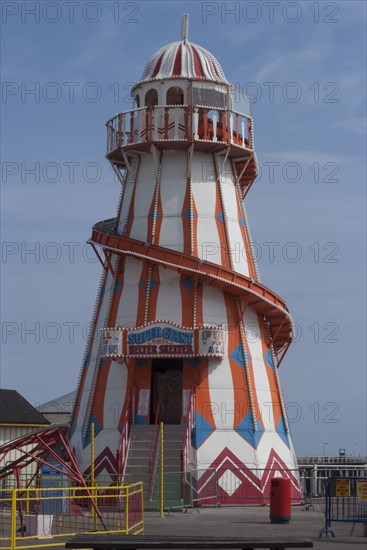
166, 390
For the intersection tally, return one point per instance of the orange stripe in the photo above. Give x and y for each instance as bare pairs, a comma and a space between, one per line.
90, 347
221, 228
276, 404
143, 282
187, 299
159, 219
186, 222
241, 400
203, 401
194, 229
153, 296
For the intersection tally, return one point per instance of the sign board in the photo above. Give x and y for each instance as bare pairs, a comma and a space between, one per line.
163, 339
342, 487
362, 490
111, 343
211, 341
143, 403
160, 340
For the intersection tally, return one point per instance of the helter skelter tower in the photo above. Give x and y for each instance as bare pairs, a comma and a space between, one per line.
191, 335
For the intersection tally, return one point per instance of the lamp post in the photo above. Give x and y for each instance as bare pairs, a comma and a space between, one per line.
325, 448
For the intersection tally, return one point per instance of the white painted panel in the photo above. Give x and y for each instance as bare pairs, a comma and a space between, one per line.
237, 245
262, 387
173, 190
115, 395
214, 308
204, 194
220, 379
144, 194
128, 306
169, 305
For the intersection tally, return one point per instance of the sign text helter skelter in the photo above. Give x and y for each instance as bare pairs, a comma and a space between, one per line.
163, 339
160, 340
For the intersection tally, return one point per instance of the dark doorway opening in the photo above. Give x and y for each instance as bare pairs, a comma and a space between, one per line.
166, 390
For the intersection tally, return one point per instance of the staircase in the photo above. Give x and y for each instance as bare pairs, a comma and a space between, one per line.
137, 464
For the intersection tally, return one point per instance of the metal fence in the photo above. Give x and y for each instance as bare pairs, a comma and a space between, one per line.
29, 516
345, 501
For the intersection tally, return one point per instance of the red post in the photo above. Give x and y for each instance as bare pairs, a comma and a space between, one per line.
280, 500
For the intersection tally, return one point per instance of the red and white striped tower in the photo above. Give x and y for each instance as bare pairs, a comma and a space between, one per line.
188, 323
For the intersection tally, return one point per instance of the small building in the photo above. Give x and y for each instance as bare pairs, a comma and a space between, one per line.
60, 409
17, 418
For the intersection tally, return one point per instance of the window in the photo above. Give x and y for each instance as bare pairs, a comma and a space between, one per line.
137, 101
209, 95
151, 98
175, 96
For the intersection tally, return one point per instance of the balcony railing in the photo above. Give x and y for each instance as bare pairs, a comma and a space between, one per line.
179, 123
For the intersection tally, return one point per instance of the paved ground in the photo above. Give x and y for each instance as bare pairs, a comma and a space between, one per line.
254, 521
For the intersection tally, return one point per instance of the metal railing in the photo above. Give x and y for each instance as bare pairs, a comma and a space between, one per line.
189, 426
345, 501
27, 516
154, 450
179, 123
128, 421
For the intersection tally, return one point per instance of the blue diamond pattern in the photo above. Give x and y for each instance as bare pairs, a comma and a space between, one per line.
269, 359
242, 221
245, 430
187, 282
140, 419
281, 431
220, 216
237, 356
201, 432
97, 429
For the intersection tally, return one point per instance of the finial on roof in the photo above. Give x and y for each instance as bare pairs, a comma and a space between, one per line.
185, 27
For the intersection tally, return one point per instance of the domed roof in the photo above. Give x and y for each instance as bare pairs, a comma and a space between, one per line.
183, 59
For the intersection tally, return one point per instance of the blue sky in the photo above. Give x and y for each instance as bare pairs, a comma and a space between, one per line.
305, 64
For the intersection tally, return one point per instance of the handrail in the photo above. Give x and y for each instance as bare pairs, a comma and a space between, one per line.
190, 421
122, 451
154, 436
153, 460
184, 123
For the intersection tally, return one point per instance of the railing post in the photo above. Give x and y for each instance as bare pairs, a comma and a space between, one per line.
215, 124
13, 520
205, 124
186, 123
119, 131
195, 117
148, 123
161, 484
224, 126
131, 126
166, 122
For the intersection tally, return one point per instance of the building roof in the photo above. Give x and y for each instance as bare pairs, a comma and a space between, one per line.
63, 404
183, 59
14, 409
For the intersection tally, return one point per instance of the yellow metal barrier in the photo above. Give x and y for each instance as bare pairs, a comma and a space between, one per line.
43, 517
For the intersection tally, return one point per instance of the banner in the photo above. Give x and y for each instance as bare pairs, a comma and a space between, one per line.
342, 488
160, 339
111, 343
211, 341
163, 339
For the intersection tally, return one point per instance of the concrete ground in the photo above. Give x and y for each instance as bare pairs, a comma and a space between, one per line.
254, 522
